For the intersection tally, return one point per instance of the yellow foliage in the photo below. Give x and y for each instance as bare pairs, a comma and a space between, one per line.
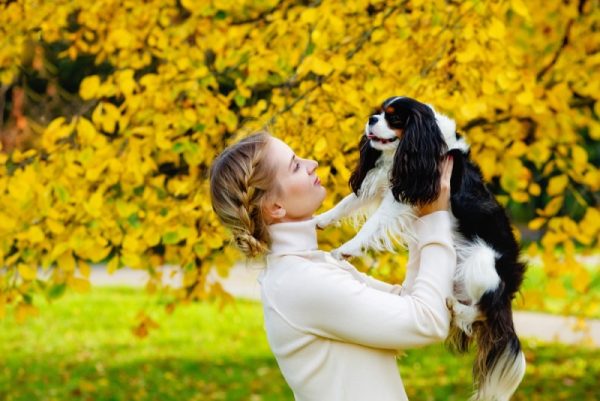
124, 176
557, 185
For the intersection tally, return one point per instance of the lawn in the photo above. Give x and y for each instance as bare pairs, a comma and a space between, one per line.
81, 348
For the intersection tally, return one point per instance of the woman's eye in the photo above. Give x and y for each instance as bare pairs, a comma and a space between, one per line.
297, 167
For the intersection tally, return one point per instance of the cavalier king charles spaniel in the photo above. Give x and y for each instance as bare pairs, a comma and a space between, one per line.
401, 151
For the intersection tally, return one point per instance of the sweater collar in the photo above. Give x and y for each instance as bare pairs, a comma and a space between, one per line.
293, 236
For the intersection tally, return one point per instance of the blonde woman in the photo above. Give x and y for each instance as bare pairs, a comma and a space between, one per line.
334, 331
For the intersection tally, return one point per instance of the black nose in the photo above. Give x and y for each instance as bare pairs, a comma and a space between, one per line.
373, 120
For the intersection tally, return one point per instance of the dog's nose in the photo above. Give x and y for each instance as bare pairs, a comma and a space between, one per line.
373, 120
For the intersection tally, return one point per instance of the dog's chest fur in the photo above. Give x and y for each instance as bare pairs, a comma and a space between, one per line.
377, 180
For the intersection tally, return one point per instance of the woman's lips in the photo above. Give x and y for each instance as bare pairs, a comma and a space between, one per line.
317, 181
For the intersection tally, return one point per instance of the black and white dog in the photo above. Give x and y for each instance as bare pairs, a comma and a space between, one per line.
399, 168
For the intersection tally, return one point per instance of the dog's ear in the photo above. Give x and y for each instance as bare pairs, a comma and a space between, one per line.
368, 157
458, 167
416, 169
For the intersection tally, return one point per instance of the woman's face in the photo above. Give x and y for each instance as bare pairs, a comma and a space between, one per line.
300, 191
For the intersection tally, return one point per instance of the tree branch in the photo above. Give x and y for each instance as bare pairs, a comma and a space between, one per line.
564, 43
259, 16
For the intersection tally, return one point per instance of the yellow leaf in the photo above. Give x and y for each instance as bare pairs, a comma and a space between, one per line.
534, 189
66, 262
594, 126
151, 236
580, 156
94, 205
86, 131
126, 81
525, 98
320, 66
35, 235
26, 271
555, 289
469, 53
496, 29
520, 196
131, 259
592, 179
309, 15
520, 8
581, 280
535, 224
89, 87
553, 206
112, 265
557, 184
518, 149
98, 252
320, 147
338, 62
84, 269
7, 223
78, 284
532, 249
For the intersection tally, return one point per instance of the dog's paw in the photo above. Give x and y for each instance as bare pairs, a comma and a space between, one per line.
463, 315
347, 251
325, 219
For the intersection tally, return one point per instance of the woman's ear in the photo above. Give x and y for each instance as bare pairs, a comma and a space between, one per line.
273, 211
416, 168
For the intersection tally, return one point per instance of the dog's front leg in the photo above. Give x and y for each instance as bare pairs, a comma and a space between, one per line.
345, 207
392, 220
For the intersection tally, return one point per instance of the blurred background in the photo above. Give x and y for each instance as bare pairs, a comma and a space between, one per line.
111, 113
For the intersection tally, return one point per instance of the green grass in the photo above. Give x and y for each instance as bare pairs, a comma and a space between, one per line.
81, 348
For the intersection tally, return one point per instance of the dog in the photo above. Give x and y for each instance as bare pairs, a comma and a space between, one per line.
401, 152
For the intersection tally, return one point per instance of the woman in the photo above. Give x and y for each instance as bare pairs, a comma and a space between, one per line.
334, 331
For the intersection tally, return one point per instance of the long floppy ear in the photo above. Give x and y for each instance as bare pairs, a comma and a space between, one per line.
368, 157
416, 169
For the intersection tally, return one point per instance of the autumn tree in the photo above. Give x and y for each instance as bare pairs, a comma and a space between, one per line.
125, 104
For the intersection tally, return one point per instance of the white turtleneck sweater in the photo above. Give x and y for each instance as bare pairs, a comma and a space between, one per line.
335, 331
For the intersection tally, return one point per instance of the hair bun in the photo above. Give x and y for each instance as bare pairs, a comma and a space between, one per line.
250, 246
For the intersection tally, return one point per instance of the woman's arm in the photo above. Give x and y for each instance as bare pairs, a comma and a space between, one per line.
367, 279
325, 300
381, 285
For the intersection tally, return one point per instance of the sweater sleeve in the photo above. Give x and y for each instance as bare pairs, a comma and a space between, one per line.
381, 285
329, 302
412, 265
372, 281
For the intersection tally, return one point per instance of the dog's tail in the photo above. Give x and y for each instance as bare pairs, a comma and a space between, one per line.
500, 363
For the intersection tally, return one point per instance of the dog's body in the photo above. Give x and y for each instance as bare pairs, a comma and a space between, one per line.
399, 169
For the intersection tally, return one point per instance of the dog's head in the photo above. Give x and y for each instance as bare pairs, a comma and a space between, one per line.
420, 138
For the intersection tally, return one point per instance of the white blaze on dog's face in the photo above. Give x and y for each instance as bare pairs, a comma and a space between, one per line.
381, 136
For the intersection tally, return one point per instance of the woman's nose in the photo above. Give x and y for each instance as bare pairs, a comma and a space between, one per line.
312, 166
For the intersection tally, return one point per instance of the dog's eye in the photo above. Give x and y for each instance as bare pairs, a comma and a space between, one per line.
394, 119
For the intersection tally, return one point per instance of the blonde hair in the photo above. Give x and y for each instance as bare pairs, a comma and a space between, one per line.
240, 181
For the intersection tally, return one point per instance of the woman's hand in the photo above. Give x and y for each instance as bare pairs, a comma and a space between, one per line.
443, 200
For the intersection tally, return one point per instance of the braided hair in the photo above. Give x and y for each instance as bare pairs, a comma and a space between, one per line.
240, 180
